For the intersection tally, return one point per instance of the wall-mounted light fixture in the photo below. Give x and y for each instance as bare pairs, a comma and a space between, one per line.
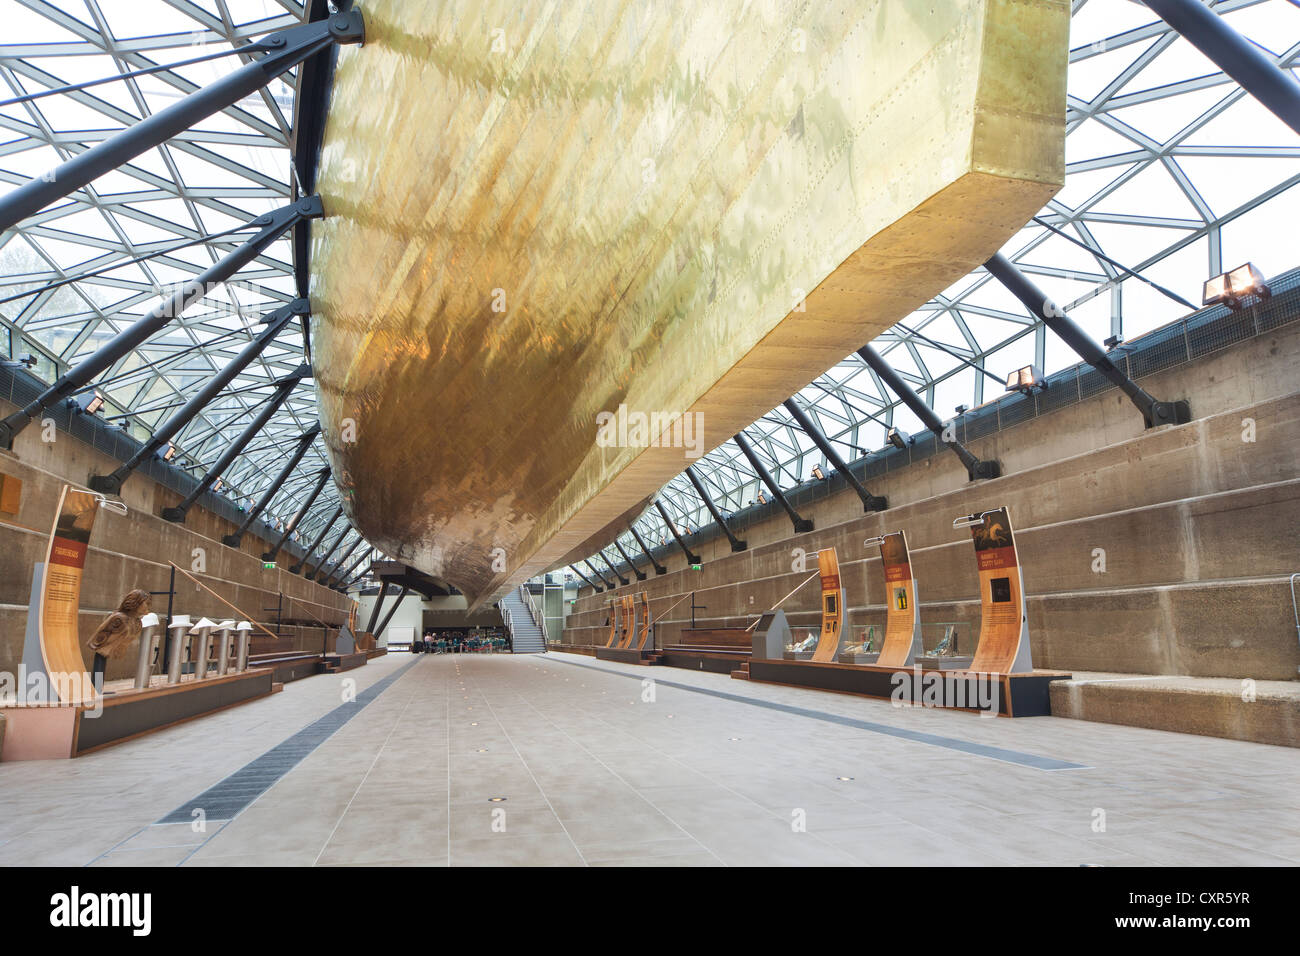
898, 438
1026, 379
1229, 288
87, 403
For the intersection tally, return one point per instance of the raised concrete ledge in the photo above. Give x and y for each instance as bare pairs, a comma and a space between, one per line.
1262, 711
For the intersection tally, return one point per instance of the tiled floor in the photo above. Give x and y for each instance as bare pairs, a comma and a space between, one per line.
598, 768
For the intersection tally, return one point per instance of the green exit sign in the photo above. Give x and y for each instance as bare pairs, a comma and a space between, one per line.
268, 565
696, 567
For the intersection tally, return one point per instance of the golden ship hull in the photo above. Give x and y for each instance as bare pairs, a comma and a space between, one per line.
540, 212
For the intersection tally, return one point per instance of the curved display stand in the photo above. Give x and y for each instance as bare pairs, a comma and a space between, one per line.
1003, 646
902, 644
613, 623
629, 622
65, 562
629, 631
1000, 680
644, 636
828, 645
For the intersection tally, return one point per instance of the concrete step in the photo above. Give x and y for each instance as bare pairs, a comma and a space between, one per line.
1264, 711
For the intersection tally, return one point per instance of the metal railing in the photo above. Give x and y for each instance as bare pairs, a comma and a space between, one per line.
1295, 609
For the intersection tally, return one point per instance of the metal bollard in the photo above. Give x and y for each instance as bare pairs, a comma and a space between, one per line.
223, 646
144, 664
241, 661
177, 628
202, 630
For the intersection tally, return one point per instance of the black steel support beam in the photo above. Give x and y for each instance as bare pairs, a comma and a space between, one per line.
236, 448
111, 484
310, 573
332, 574
1054, 317
595, 587
1256, 72
736, 543
325, 529
406, 589
613, 570
284, 50
691, 556
302, 512
659, 568
272, 225
309, 436
345, 577
800, 523
640, 575
379, 601
600, 576
870, 502
975, 468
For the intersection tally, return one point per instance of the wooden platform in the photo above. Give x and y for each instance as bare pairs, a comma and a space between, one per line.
628, 655
337, 663
1007, 695
287, 668
35, 732
718, 649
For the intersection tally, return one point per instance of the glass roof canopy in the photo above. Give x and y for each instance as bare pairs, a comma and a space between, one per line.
1172, 171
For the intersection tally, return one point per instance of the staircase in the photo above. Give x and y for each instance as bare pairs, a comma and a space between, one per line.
526, 636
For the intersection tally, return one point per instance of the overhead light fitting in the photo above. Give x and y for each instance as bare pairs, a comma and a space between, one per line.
1026, 379
87, 403
818, 473
761, 499
169, 453
1230, 288
898, 438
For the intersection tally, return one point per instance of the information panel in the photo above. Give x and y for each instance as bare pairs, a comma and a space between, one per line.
613, 623
644, 636
628, 628
65, 562
828, 644
902, 617
1004, 626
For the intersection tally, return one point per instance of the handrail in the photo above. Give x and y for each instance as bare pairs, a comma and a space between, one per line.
536, 613
1294, 608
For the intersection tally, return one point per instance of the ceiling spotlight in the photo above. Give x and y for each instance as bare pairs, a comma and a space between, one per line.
898, 438
761, 499
169, 453
1026, 379
1231, 287
1112, 343
217, 485
818, 473
962, 409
